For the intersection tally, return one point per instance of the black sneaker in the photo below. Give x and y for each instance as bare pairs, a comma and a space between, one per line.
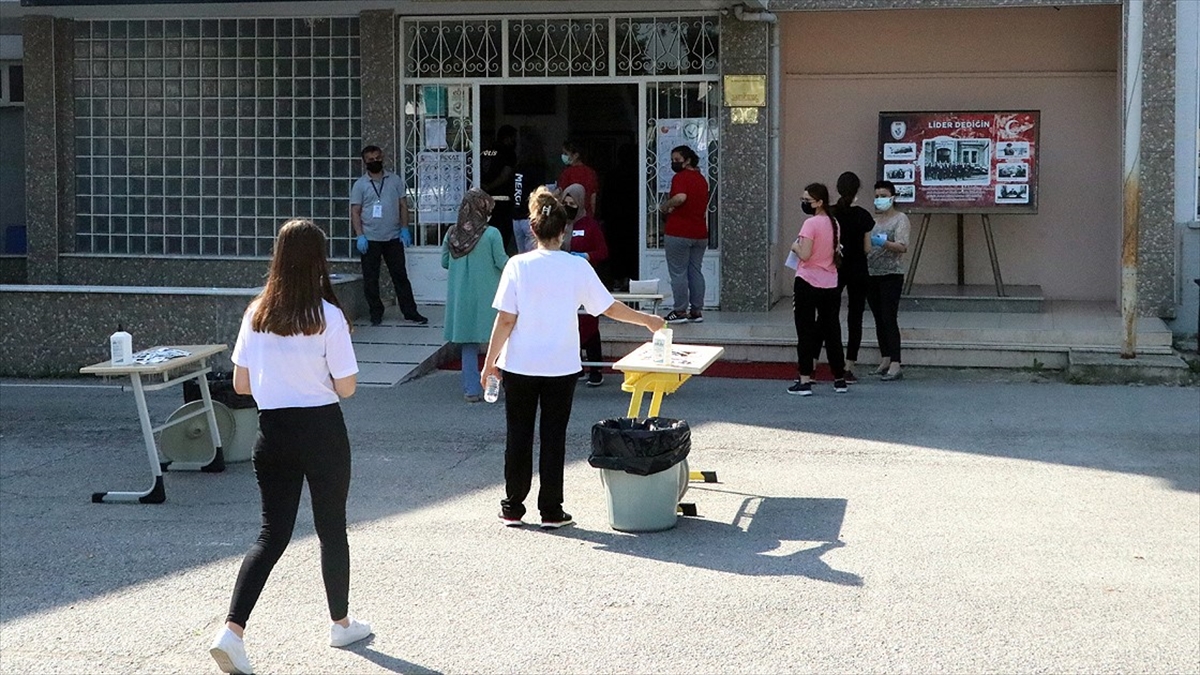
595, 379
417, 319
676, 317
840, 386
510, 520
376, 322
562, 520
800, 389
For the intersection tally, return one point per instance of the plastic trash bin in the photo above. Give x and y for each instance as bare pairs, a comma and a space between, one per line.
643, 469
240, 447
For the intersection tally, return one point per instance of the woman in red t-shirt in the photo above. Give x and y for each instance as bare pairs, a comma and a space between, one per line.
578, 172
686, 237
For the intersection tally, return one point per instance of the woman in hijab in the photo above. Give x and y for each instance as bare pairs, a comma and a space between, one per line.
474, 255
587, 242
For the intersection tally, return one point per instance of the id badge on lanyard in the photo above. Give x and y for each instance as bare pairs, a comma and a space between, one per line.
377, 209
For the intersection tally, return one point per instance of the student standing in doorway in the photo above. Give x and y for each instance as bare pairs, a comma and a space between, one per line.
534, 349
686, 235
293, 354
886, 246
855, 223
587, 242
379, 216
530, 175
815, 301
578, 172
498, 171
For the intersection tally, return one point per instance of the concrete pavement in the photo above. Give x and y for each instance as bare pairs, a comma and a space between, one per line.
940, 524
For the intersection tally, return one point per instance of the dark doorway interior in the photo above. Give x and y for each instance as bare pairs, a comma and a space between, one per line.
602, 119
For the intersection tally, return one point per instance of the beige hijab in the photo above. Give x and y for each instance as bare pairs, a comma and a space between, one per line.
472, 222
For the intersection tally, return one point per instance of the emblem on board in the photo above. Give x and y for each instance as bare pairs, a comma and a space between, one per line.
898, 129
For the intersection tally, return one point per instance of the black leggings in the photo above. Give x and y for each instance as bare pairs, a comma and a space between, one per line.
523, 395
815, 311
593, 350
883, 294
856, 303
295, 444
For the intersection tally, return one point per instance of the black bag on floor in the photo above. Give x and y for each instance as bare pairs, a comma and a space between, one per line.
640, 447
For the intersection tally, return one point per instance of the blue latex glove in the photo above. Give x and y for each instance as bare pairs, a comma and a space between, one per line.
361, 243
405, 237
580, 254
878, 239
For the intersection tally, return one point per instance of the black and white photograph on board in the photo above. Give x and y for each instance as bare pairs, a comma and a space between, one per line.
900, 173
1013, 193
1006, 150
902, 152
956, 161
1012, 172
906, 193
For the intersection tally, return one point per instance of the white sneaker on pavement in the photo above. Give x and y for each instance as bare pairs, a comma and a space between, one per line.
341, 637
229, 651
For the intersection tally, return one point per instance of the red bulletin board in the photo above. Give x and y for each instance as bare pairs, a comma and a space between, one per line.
961, 162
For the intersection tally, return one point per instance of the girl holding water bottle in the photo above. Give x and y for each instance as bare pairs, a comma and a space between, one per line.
534, 351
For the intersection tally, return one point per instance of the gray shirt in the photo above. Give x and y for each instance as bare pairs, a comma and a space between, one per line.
387, 192
881, 261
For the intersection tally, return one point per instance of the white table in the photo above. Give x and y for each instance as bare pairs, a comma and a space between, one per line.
162, 375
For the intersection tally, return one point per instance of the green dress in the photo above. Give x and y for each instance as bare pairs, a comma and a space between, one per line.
471, 288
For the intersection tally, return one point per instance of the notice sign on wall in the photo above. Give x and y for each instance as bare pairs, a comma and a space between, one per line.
961, 162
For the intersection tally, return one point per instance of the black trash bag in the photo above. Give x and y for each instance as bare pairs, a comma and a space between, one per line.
640, 447
220, 388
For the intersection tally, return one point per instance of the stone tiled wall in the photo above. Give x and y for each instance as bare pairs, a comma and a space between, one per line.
1156, 234
41, 162
380, 88
745, 162
63, 329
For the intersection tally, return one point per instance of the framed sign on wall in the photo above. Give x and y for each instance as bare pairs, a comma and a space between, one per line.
962, 162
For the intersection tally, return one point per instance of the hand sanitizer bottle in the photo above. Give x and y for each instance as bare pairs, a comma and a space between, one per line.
121, 346
660, 351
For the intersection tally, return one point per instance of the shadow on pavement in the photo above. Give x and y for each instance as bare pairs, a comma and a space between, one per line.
772, 525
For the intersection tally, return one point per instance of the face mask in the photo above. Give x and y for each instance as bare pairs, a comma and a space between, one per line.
807, 208
374, 167
677, 166
883, 203
572, 211
566, 159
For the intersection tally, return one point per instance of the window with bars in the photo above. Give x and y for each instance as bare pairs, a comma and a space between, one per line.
199, 137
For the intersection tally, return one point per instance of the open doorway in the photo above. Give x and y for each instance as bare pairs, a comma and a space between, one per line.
602, 120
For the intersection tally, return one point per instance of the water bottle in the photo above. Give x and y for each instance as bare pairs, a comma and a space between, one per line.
120, 346
660, 350
492, 393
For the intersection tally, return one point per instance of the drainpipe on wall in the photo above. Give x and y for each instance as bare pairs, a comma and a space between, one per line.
1130, 216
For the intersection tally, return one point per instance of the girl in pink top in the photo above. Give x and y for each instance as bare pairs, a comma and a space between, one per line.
816, 300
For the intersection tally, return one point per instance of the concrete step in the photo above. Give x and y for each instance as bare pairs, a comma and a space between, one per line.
953, 298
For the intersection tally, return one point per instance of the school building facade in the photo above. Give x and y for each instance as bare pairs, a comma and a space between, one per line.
160, 144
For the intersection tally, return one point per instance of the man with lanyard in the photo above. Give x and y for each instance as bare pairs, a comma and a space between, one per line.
379, 215
497, 164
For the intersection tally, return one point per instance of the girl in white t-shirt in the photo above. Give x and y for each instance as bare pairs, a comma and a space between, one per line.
293, 354
534, 349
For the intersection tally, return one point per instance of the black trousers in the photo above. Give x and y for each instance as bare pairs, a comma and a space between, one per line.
523, 395
883, 294
815, 311
295, 445
593, 350
502, 220
392, 253
855, 285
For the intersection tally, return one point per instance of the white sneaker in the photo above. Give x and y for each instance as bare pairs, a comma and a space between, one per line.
229, 651
341, 637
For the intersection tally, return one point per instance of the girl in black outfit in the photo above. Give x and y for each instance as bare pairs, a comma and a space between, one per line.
855, 223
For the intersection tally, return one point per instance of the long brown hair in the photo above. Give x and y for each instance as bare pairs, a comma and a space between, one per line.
290, 302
